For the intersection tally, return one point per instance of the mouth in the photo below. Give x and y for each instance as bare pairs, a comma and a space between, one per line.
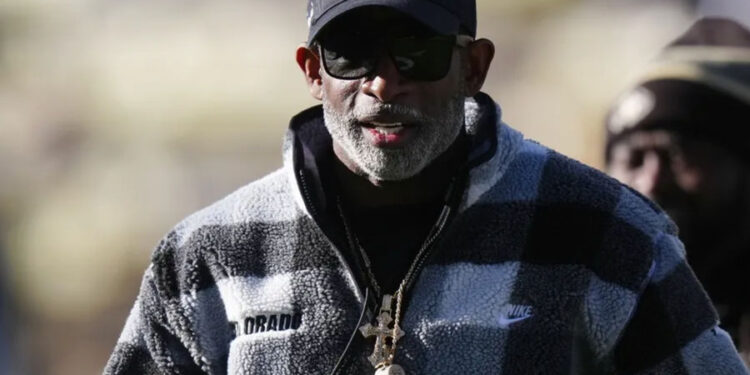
388, 134
385, 128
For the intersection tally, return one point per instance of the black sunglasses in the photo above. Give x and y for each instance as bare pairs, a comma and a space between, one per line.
419, 58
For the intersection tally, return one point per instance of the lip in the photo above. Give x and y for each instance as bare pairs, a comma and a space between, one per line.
384, 118
388, 135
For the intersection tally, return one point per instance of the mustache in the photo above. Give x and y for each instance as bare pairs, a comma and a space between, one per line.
388, 112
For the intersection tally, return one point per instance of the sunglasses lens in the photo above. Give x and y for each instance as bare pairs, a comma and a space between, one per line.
418, 58
423, 58
347, 58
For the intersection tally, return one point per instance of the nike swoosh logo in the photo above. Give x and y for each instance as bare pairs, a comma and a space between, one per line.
506, 322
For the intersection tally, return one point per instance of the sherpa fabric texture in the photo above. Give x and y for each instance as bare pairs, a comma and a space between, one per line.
549, 267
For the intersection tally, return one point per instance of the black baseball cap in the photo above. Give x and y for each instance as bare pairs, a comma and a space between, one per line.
443, 16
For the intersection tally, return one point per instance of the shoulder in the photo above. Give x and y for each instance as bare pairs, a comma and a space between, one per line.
223, 226
556, 181
569, 183
579, 215
267, 200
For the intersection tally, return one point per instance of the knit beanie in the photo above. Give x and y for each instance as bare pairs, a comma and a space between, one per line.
699, 86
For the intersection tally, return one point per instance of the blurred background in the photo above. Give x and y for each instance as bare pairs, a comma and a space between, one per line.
119, 118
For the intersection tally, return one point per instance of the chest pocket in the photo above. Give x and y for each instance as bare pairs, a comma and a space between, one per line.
291, 323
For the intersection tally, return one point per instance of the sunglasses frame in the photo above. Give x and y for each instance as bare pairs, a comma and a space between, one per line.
459, 40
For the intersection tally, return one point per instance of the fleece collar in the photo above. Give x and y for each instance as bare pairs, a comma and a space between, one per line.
308, 151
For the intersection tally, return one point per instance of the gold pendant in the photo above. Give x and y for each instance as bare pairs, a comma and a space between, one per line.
390, 370
382, 354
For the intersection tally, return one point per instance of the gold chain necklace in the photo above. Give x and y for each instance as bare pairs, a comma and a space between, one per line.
387, 334
384, 351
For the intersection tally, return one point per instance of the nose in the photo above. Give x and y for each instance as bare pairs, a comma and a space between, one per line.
386, 83
654, 176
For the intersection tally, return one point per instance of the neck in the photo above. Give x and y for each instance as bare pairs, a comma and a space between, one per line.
709, 250
360, 191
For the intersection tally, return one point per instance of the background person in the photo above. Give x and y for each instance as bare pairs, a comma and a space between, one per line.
681, 137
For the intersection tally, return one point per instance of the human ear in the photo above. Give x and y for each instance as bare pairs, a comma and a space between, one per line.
309, 62
479, 54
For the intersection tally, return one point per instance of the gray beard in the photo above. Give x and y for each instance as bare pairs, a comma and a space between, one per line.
436, 131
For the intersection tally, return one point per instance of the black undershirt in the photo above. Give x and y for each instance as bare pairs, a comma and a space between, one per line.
391, 236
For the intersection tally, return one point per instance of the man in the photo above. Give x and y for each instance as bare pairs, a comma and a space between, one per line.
411, 231
680, 137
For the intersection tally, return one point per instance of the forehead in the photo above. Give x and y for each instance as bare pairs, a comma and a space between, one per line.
693, 147
377, 20
647, 139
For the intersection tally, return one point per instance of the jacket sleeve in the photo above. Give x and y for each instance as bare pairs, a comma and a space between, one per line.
153, 339
674, 328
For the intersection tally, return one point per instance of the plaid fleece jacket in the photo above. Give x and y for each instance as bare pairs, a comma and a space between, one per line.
547, 267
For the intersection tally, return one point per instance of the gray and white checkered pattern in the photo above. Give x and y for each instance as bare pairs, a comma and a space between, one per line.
596, 267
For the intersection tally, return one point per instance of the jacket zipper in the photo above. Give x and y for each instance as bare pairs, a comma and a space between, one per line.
306, 194
427, 249
339, 255
414, 270
349, 274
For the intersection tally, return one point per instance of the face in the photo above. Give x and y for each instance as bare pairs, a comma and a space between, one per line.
389, 127
696, 182
391, 140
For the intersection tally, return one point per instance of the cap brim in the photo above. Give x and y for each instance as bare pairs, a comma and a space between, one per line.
432, 15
